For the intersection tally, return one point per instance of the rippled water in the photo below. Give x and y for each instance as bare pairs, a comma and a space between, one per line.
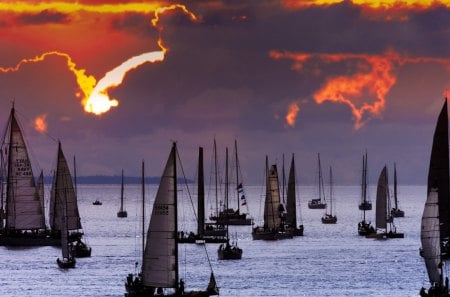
330, 260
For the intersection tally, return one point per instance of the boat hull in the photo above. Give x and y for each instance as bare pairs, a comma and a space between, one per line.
314, 204
397, 213
194, 238
261, 234
329, 220
66, 263
365, 206
122, 214
385, 235
229, 253
29, 240
231, 217
295, 231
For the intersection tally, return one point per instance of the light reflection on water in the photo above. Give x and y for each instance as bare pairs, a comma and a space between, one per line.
330, 260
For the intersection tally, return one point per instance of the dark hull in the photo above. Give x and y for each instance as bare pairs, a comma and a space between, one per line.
29, 240
397, 213
214, 230
202, 239
386, 235
316, 205
231, 217
295, 231
122, 214
365, 206
260, 234
365, 229
329, 220
229, 253
67, 263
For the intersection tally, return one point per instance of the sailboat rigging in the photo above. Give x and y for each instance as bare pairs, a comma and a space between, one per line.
329, 218
291, 201
365, 227
384, 222
206, 232
22, 216
434, 233
62, 175
274, 226
228, 251
160, 265
396, 212
62, 190
230, 215
122, 213
319, 203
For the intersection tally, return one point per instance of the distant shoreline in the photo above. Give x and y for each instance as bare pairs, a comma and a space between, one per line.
115, 179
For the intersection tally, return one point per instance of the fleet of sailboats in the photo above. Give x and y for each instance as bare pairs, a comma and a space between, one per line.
160, 265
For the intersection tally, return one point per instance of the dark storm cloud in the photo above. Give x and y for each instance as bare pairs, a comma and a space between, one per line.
135, 24
43, 17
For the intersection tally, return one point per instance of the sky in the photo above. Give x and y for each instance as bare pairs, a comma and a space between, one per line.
117, 81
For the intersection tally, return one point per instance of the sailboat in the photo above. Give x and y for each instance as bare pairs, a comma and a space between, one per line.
160, 267
274, 227
206, 232
228, 251
365, 203
396, 212
61, 190
435, 219
329, 218
319, 203
291, 215
22, 218
63, 177
229, 215
383, 219
121, 213
365, 227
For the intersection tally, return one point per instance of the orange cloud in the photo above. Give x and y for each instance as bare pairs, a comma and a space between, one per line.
291, 115
364, 91
40, 123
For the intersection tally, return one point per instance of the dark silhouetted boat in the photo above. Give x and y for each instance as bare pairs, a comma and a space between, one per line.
160, 265
384, 222
365, 227
62, 176
228, 251
434, 234
319, 203
274, 227
206, 232
291, 203
122, 213
396, 212
365, 203
329, 218
229, 215
97, 202
22, 218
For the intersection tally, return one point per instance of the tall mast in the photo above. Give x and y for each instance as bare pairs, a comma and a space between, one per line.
121, 194
215, 175
143, 209
395, 187
284, 181
75, 175
174, 156
331, 192
388, 202
321, 190
226, 186
200, 194
237, 175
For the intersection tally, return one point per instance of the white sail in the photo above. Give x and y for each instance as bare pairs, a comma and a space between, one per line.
271, 208
24, 209
160, 267
65, 187
381, 218
430, 238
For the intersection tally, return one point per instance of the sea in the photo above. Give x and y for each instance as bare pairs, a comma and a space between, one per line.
329, 260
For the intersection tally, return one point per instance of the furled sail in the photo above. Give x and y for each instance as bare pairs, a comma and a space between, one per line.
23, 206
381, 210
160, 267
272, 204
291, 217
429, 236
